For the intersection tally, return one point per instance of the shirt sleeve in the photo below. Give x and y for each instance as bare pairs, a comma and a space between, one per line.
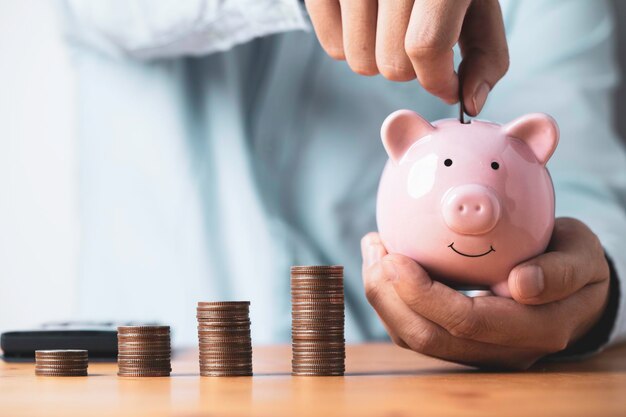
563, 64
146, 29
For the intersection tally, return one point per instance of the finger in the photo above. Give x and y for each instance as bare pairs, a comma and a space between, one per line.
575, 259
359, 34
494, 320
326, 18
485, 53
423, 336
434, 28
391, 58
372, 249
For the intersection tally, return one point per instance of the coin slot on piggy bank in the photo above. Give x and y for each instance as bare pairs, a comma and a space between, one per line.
467, 201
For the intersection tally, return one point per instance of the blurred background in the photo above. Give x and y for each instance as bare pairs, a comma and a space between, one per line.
38, 215
38, 224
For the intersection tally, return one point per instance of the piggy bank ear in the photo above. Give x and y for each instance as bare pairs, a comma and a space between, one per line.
400, 130
539, 131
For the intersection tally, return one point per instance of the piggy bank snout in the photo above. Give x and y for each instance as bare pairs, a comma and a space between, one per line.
471, 209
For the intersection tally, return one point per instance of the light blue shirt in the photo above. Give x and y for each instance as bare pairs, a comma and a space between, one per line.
206, 177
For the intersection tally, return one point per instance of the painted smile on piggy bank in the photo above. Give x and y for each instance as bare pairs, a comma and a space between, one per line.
452, 194
491, 249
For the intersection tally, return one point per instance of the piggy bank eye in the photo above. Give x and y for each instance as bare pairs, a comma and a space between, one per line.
495, 165
447, 162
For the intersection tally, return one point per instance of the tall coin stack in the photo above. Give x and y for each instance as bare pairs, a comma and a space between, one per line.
317, 314
61, 362
224, 338
143, 351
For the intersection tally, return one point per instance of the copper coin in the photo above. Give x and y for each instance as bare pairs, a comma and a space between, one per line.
209, 329
303, 373
332, 277
226, 344
222, 312
318, 353
216, 335
223, 304
322, 328
322, 363
225, 352
317, 332
225, 347
218, 348
61, 360
138, 374
296, 291
226, 358
295, 366
60, 368
310, 296
226, 373
317, 323
147, 359
317, 284
297, 339
220, 366
317, 366
224, 323
316, 268
314, 300
319, 348
204, 318
142, 352
225, 355
144, 366
225, 340
318, 319
316, 304
131, 355
143, 337
143, 329
241, 309
330, 320
73, 353
145, 352
50, 373
144, 360
333, 311
318, 371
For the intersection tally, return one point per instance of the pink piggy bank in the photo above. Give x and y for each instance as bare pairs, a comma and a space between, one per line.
468, 202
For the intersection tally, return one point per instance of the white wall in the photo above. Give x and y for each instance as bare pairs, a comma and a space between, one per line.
37, 168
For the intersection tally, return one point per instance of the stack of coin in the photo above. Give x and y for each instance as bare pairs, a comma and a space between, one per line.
224, 338
317, 314
61, 362
143, 351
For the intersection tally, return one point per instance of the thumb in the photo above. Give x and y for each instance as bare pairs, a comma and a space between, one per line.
550, 277
576, 259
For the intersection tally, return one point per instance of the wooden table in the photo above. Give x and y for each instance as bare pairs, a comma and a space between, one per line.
381, 379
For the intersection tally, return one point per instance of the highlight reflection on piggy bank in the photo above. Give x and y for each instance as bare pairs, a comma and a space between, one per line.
468, 202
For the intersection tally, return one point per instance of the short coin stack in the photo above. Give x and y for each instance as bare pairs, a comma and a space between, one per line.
317, 313
61, 362
143, 351
224, 338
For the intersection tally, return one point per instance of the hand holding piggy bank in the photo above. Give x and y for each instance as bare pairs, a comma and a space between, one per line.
468, 202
